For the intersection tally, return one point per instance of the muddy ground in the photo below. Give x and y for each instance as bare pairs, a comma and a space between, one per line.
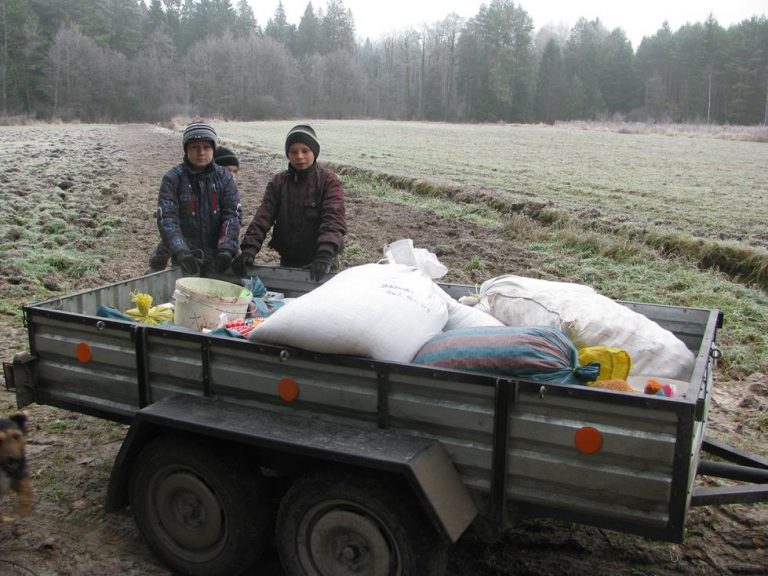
70, 455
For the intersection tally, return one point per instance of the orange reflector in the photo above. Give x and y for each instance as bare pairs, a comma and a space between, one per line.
588, 440
84, 353
288, 389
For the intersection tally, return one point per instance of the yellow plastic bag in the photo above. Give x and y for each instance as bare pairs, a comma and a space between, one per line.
614, 362
145, 313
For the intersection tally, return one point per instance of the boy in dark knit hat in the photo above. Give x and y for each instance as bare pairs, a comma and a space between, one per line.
305, 205
227, 158
198, 208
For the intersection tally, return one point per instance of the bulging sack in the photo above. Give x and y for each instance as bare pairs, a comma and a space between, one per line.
539, 353
589, 319
382, 311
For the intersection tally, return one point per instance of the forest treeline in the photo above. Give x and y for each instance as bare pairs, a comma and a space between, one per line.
150, 60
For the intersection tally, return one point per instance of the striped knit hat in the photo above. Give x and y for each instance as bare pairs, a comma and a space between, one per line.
306, 135
226, 157
197, 131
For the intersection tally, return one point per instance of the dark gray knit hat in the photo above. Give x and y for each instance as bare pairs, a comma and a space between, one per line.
197, 131
226, 157
306, 135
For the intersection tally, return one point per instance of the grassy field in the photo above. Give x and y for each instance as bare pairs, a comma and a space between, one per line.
711, 188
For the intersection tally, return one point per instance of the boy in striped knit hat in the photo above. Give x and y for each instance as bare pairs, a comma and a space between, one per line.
304, 207
198, 213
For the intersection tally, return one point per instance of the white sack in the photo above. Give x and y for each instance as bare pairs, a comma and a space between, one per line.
403, 252
464, 316
382, 311
589, 319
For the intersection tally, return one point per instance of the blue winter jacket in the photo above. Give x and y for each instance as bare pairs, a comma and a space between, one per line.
199, 210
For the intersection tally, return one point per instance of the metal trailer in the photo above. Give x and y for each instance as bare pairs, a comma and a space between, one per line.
361, 466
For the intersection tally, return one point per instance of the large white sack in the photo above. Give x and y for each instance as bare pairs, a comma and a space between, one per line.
511, 284
382, 311
464, 316
589, 319
521, 287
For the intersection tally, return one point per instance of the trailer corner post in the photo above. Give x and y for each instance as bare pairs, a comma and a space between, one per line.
505, 395
21, 377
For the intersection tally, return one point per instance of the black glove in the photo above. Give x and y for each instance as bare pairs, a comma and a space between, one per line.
159, 260
188, 263
222, 261
241, 261
321, 265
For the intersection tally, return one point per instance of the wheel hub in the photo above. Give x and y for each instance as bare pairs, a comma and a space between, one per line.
189, 512
349, 554
345, 543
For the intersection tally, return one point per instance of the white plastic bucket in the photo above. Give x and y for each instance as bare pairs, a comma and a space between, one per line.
200, 302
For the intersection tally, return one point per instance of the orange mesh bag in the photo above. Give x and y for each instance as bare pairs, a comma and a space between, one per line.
613, 384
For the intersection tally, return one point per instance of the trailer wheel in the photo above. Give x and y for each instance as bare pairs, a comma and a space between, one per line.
201, 512
353, 523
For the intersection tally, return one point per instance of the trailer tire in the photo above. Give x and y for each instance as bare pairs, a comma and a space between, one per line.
354, 523
202, 513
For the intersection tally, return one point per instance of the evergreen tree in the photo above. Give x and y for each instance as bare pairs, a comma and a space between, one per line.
308, 33
203, 18
714, 39
278, 28
222, 18
497, 63
438, 68
472, 73
585, 59
551, 102
689, 88
338, 28
155, 19
618, 85
125, 26
20, 56
746, 77
654, 60
245, 22
173, 21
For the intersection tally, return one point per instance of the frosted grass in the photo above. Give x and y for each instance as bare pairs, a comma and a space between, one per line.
707, 187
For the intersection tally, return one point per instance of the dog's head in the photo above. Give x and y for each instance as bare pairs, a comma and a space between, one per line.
13, 439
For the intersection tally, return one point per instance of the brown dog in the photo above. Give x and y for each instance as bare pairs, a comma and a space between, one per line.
13, 461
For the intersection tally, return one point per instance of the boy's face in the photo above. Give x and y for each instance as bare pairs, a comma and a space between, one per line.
300, 156
200, 153
232, 168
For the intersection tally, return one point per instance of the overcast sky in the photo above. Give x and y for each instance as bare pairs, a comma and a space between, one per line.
375, 18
